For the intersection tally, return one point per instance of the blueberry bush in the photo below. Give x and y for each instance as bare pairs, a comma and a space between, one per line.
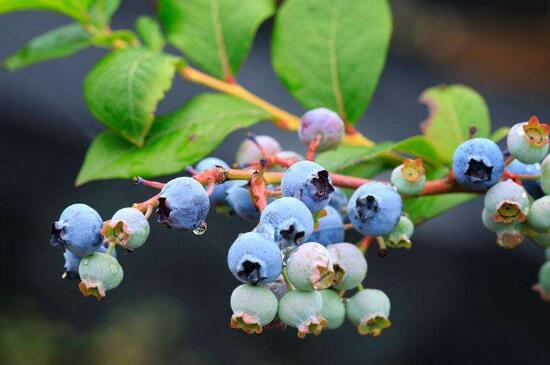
295, 268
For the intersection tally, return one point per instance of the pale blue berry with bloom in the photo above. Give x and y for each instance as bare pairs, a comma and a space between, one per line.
218, 195
78, 230
528, 141
330, 228
254, 306
99, 272
374, 209
509, 235
350, 265
339, 201
507, 202
478, 164
531, 186
369, 310
334, 310
303, 310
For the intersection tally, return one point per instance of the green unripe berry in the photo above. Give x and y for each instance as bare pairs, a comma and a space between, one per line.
128, 228
541, 239
528, 141
350, 265
310, 267
369, 310
409, 178
508, 235
303, 310
253, 307
543, 286
545, 175
507, 202
401, 235
99, 272
334, 310
539, 214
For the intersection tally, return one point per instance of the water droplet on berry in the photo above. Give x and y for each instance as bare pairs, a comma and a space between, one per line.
200, 230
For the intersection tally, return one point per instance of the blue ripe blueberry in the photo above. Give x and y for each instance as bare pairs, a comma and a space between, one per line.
409, 178
292, 222
72, 262
239, 200
249, 152
253, 306
99, 273
539, 215
183, 204
309, 182
303, 310
528, 141
509, 235
330, 228
78, 230
334, 310
218, 195
478, 164
339, 201
401, 235
369, 310
507, 202
128, 228
254, 258
350, 265
532, 186
374, 209
543, 286
545, 175
310, 267
324, 123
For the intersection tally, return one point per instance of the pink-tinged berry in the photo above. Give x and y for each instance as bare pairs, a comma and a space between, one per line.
349, 264
369, 310
99, 272
507, 202
410, 177
324, 123
253, 307
303, 310
528, 141
252, 151
334, 310
310, 267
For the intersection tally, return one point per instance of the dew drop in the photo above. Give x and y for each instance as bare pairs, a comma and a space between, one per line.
200, 230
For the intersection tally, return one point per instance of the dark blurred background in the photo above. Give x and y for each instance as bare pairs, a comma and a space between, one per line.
456, 297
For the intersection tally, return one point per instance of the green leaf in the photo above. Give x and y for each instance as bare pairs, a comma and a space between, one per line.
149, 31
215, 34
123, 90
418, 147
330, 53
499, 134
103, 10
176, 140
76, 9
345, 155
60, 42
453, 110
424, 208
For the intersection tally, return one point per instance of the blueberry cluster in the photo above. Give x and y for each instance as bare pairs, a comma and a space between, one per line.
295, 266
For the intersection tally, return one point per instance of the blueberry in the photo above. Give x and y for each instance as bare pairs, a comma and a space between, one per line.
303, 310
309, 182
128, 228
72, 262
401, 235
509, 235
528, 141
183, 204
409, 178
253, 307
349, 265
292, 222
310, 267
334, 310
369, 310
543, 286
254, 258
99, 273
78, 230
545, 175
210, 163
478, 164
539, 215
250, 153
217, 197
374, 209
239, 200
330, 229
532, 186
507, 202
339, 201
321, 122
